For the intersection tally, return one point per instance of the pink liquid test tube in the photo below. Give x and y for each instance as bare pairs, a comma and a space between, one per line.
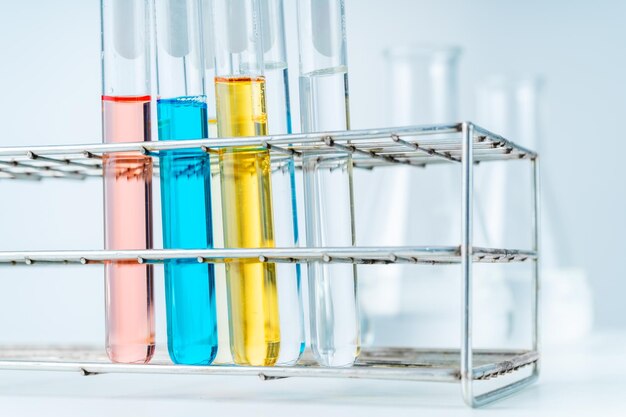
129, 300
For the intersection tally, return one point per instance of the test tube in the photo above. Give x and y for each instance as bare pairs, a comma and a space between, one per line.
185, 182
126, 88
292, 340
245, 182
328, 190
224, 355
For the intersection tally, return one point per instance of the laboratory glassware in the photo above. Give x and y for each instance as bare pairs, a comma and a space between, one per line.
512, 105
328, 188
422, 84
126, 117
223, 355
245, 181
515, 106
292, 340
421, 87
185, 181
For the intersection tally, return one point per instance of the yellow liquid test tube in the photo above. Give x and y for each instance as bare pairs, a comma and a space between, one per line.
248, 222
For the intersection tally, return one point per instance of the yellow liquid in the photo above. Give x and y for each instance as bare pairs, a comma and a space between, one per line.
248, 223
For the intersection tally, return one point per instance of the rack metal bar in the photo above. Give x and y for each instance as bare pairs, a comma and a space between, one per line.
356, 255
503, 392
290, 142
467, 371
22, 176
428, 151
44, 168
21, 170
467, 202
36, 157
484, 372
413, 145
329, 141
436, 365
507, 142
536, 245
309, 138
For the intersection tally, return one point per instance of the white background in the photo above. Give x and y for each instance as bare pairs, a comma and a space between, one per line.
50, 94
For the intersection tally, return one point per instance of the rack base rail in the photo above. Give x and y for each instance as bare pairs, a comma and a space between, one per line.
431, 365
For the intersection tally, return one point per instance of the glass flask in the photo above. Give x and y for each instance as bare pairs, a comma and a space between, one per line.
513, 107
413, 206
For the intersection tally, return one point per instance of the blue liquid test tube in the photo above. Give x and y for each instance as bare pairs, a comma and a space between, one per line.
185, 181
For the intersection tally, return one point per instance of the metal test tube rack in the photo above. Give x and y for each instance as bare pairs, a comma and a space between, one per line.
464, 143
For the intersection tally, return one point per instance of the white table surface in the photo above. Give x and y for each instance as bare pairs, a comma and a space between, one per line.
580, 379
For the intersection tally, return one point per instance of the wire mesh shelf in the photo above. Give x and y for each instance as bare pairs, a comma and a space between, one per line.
464, 144
416, 145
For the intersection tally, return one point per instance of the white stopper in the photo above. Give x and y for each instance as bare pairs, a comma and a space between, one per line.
236, 16
177, 30
323, 14
127, 34
268, 32
208, 34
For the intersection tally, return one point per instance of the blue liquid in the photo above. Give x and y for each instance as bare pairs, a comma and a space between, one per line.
187, 224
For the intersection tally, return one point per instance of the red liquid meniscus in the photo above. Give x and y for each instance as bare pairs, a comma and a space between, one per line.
128, 225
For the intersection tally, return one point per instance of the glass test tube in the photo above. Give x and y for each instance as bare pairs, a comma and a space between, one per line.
126, 116
328, 191
246, 182
224, 355
292, 341
185, 182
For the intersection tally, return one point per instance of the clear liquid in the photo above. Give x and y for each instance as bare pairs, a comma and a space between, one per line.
187, 224
292, 340
248, 222
224, 355
328, 200
129, 300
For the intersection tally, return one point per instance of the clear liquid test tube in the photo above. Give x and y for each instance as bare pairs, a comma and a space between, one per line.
126, 117
185, 181
328, 190
245, 174
292, 340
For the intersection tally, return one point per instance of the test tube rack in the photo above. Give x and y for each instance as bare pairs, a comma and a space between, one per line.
465, 144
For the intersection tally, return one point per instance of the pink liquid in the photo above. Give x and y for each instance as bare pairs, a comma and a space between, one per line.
128, 225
